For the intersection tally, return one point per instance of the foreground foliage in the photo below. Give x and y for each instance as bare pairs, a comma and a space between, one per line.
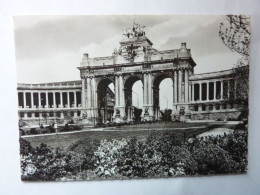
159, 155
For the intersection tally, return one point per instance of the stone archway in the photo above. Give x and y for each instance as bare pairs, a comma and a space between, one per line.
158, 78
129, 81
105, 100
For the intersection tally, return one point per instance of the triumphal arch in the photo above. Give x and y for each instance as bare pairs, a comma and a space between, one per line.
90, 100
134, 60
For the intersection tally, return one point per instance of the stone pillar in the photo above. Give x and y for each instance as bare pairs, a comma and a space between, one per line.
75, 115
149, 89
32, 100
39, 100
24, 99
61, 100
47, 100
54, 100
186, 86
175, 87
190, 93
200, 91
94, 91
89, 92
214, 91
207, 91
83, 90
122, 92
116, 91
193, 92
68, 99
150, 94
75, 99
179, 86
221, 90
145, 90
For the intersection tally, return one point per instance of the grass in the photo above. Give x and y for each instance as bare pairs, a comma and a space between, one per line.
65, 140
160, 125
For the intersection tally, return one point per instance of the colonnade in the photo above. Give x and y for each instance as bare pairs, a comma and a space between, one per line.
210, 90
53, 99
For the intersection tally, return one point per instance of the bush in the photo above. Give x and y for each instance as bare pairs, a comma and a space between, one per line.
49, 165
159, 155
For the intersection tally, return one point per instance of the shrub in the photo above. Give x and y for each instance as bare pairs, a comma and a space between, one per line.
107, 156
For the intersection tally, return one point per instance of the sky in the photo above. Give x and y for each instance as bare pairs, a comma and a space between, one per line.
50, 48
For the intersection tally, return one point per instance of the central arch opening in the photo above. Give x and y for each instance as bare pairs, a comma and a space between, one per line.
105, 100
163, 97
133, 98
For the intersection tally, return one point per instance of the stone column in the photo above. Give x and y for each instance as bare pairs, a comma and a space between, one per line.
150, 93
68, 99
24, 99
179, 86
47, 100
89, 92
122, 92
221, 90
31, 99
200, 91
190, 92
94, 91
214, 93
207, 91
186, 86
175, 87
116, 91
193, 92
145, 90
61, 100
83, 90
39, 99
75, 99
54, 100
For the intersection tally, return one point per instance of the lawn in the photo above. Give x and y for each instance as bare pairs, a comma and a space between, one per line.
141, 131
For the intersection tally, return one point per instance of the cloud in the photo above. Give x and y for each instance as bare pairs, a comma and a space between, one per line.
49, 48
52, 34
202, 39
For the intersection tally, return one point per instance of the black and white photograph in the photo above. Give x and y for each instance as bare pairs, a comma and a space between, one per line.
109, 97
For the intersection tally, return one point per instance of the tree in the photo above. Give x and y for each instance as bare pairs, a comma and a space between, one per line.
235, 34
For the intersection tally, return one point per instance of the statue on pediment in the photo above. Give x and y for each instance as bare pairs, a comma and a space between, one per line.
136, 31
